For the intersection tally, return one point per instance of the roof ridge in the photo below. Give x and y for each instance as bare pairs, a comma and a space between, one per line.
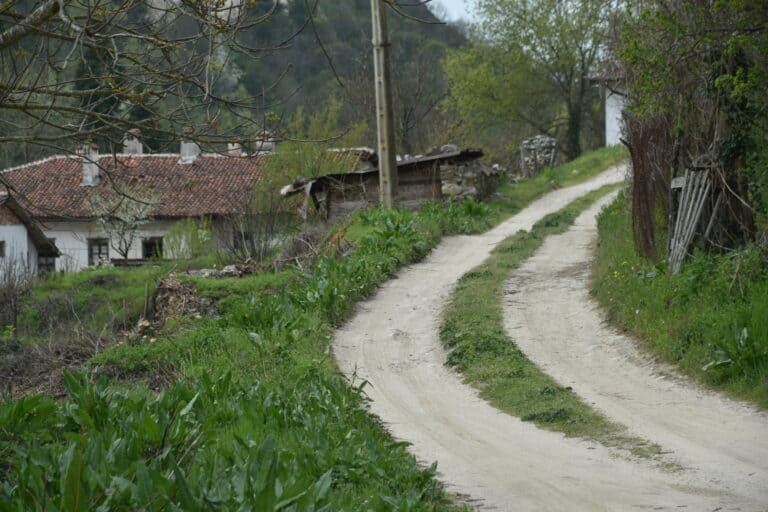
121, 155
36, 162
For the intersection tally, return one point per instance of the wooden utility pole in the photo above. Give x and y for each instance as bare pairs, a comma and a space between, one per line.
384, 118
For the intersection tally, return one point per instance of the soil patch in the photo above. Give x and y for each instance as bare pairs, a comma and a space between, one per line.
39, 367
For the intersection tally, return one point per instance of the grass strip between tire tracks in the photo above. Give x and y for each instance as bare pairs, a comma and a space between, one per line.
472, 331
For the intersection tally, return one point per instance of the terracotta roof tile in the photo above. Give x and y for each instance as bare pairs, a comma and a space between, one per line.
212, 185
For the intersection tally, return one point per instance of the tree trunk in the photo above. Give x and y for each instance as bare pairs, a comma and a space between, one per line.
573, 135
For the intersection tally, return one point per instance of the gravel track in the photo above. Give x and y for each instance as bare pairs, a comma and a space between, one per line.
549, 314
495, 460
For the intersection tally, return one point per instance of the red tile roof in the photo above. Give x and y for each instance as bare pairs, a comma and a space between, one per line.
212, 185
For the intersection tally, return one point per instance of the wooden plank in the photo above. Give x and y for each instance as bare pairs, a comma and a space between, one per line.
693, 184
691, 227
682, 205
689, 215
715, 210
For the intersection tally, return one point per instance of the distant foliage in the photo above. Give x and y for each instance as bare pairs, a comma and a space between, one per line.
528, 72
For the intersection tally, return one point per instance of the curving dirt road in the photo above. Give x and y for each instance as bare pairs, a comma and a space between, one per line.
548, 312
499, 462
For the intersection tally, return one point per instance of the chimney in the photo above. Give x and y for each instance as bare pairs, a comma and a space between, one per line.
234, 149
132, 143
189, 152
89, 154
264, 143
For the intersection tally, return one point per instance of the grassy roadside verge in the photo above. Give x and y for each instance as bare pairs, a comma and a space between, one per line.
472, 330
513, 197
251, 413
711, 320
258, 417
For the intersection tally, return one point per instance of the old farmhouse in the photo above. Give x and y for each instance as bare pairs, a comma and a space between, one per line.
66, 196
65, 207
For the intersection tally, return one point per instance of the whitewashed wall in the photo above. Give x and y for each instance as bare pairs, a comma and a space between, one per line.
614, 104
20, 252
72, 240
31, 255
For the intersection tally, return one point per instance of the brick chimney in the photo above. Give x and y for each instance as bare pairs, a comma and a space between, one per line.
89, 154
132, 143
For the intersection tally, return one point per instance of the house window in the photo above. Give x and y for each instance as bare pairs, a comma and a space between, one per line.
46, 264
98, 251
152, 248
2, 248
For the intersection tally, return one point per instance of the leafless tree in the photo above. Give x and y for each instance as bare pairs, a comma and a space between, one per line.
90, 70
120, 214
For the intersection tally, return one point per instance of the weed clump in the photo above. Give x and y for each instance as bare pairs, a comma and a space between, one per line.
711, 319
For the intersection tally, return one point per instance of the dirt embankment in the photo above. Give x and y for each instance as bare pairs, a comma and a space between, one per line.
497, 460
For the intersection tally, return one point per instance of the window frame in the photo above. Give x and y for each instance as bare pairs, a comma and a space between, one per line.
103, 251
153, 241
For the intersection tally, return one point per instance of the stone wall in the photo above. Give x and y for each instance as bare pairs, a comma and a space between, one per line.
537, 153
471, 179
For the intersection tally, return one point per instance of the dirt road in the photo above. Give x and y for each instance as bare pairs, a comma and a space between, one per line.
495, 459
548, 312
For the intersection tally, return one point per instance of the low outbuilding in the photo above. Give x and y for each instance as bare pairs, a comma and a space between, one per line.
419, 180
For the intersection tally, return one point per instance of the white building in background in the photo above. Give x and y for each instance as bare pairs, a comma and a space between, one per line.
615, 102
614, 94
58, 195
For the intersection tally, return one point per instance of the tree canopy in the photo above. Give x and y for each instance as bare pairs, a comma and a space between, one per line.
530, 68
697, 73
214, 72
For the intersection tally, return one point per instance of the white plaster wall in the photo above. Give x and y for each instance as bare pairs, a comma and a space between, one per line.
72, 241
17, 246
614, 104
31, 255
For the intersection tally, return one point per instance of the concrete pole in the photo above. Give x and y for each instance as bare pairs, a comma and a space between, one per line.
384, 118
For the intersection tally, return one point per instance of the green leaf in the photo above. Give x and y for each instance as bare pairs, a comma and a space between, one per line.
189, 406
71, 485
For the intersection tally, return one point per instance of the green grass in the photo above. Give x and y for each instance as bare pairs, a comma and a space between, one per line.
513, 197
470, 216
248, 410
472, 331
713, 315
97, 301
257, 414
